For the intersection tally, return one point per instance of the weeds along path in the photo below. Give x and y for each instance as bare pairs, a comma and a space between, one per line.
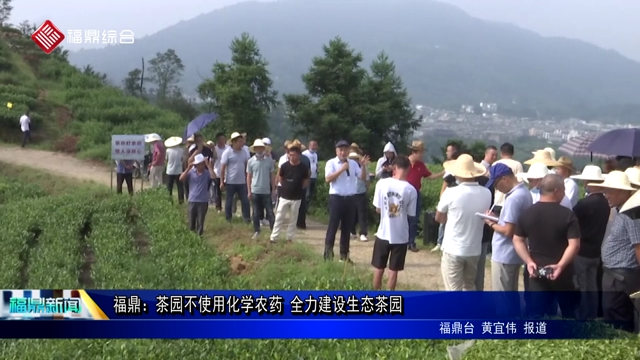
422, 269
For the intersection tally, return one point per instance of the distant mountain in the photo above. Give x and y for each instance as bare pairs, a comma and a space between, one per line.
445, 56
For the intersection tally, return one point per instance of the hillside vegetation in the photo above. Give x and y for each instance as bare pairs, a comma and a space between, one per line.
71, 111
445, 56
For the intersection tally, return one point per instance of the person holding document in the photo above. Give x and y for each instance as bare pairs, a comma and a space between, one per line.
505, 262
462, 242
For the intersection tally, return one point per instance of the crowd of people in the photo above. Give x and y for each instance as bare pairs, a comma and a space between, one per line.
579, 255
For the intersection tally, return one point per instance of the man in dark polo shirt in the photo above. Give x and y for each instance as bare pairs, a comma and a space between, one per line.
593, 215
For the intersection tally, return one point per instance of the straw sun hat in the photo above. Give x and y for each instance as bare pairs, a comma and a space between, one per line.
354, 156
543, 157
417, 145
632, 203
634, 176
173, 141
464, 167
259, 143
616, 180
590, 173
296, 143
152, 137
549, 150
536, 171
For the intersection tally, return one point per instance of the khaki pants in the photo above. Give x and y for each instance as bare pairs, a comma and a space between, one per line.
504, 277
155, 176
286, 209
459, 272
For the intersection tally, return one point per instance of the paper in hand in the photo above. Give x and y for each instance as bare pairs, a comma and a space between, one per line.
487, 217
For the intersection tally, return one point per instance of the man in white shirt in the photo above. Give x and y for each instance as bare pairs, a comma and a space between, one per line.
506, 157
174, 160
565, 170
312, 154
395, 200
462, 243
342, 174
534, 177
25, 126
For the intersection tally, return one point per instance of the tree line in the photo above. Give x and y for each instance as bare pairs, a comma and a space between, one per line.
343, 99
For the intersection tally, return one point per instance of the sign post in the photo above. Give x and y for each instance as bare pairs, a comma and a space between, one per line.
127, 147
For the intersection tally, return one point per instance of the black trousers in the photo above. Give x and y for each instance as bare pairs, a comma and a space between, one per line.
360, 221
341, 216
26, 137
175, 179
121, 178
304, 206
617, 308
218, 193
543, 293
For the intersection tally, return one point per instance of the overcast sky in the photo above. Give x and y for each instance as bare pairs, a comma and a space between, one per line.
611, 24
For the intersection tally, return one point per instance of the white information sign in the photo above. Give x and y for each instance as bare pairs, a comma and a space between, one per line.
127, 147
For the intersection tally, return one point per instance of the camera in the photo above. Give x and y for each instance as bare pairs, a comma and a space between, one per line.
544, 272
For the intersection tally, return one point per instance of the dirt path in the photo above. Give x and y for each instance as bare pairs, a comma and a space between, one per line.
422, 269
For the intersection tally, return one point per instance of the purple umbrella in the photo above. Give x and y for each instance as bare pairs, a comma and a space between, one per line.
620, 142
198, 123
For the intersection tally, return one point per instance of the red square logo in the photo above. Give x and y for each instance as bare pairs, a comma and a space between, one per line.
47, 37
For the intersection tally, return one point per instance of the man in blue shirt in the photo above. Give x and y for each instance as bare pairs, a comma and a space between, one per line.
198, 175
505, 262
124, 173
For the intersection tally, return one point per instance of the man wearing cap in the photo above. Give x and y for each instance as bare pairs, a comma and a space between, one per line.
507, 151
505, 262
593, 213
197, 174
219, 149
342, 173
565, 169
457, 208
418, 172
157, 161
312, 154
620, 254
234, 177
260, 180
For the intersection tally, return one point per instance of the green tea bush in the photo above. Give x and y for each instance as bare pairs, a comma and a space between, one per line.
11, 191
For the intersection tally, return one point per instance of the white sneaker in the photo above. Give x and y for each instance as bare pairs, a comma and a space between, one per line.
354, 236
363, 238
436, 248
255, 236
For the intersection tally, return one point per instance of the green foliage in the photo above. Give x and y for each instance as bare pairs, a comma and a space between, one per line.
11, 191
133, 83
165, 71
343, 101
240, 92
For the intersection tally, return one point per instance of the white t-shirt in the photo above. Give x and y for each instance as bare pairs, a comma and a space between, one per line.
463, 229
25, 123
313, 161
571, 191
217, 166
175, 157
396, 200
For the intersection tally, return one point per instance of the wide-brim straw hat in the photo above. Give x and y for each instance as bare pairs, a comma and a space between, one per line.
234, 136
259, 143
634, 175
354, 156
417, 145
536, 171
616, 180
550, 151
296, 143
355, 148
566, 163
590, 173
173, 141
149, 138
542, 157
464, 167
632, 203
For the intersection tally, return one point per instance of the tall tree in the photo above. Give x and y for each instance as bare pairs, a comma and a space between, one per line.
27, 28
131, 84
5, 11
241, 92
334, 106
165, 71
392, 118
88, 70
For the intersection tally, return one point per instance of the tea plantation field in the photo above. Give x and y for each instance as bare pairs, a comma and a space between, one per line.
86, 239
